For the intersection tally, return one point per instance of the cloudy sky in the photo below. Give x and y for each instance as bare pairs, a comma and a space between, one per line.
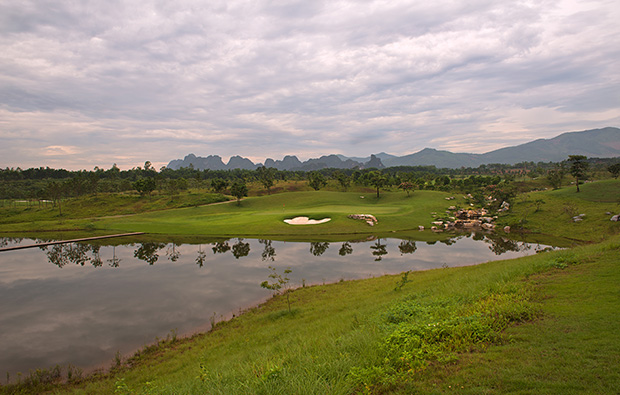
91, 83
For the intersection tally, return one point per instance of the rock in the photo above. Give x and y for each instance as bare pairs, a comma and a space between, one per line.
507, 229
615, 218
452, 208
420, 227
577, 219
438, 223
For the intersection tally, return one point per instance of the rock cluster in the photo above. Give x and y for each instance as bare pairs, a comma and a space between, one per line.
578, 218
370, 219
467, 219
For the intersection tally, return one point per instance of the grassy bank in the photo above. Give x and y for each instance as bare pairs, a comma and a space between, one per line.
551, 212
538, 324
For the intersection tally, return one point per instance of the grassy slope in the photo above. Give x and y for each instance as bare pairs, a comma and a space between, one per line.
555, 215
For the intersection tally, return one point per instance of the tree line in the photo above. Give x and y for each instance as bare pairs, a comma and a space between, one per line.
54, 184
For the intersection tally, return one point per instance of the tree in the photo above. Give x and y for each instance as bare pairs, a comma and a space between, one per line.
555, 178
55, 190
266, 177
343, 179
278, 282
407, 187
614, 170
377, 180
145, 186
219, 184
316, 180
239, 190
578, 167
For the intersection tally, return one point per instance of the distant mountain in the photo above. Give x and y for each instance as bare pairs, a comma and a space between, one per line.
290, 162
596, 143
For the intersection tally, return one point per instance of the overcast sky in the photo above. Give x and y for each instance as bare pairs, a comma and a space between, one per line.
91, 83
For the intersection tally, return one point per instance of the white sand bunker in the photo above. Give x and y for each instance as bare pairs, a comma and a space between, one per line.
306, 221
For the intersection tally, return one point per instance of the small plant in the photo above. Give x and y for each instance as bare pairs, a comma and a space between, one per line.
121, 387
404, 280
279, 281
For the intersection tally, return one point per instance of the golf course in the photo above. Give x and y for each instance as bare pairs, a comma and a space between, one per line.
544, 323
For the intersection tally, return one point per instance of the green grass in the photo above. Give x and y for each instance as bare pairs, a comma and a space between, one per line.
265, 215
102, 205
555, 216
255, 216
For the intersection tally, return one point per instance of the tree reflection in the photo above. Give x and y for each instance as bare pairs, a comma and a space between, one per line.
5, 241
240, 249
172, 253
63, 254
346, 249
500, 245
269, 252
220, 247
379, 250
202, 256
96, 260
407, 247
115, 261
148, 252
318, 248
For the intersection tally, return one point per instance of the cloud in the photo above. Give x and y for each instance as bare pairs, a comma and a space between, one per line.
266, 79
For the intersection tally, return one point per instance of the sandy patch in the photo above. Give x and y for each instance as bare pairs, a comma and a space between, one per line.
306, 221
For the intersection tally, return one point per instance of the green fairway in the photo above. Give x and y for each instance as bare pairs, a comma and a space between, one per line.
264, 216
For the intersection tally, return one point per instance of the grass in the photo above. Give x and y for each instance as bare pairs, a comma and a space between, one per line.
255, 216
539, 324
555, 215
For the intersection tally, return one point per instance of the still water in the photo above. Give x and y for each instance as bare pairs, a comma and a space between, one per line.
81, 304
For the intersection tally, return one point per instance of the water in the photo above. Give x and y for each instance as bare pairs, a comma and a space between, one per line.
81, 304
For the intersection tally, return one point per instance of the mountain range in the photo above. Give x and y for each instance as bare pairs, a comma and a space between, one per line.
598, 143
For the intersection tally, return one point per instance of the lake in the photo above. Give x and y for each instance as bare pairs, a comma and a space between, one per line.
82, 303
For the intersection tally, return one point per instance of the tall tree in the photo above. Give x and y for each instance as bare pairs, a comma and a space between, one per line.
578, 167
377, 180
239, 190
266, 177
316, 180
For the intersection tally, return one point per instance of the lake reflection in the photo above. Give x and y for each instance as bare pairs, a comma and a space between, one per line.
82, 303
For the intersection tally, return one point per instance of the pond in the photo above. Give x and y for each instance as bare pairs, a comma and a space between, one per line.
82, 304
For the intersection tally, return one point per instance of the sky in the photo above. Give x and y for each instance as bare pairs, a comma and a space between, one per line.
93, 83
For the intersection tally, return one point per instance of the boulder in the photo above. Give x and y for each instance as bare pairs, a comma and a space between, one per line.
507, 229
615, 218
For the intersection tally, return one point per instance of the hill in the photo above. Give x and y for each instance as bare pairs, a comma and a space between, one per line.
598, 143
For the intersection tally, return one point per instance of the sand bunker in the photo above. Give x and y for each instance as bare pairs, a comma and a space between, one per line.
306, 221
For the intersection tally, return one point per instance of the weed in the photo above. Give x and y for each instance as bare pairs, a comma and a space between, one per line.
404, 280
